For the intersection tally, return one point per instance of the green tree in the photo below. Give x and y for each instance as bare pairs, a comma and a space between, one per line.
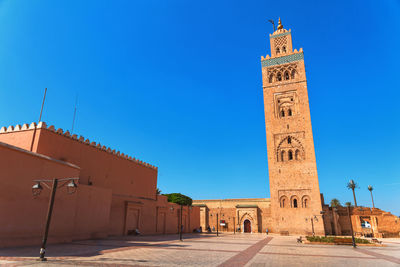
335, 203
348, 204
180, 199
370, 188
352, 185
158, 191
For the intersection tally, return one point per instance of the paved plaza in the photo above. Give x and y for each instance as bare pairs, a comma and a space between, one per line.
204, 250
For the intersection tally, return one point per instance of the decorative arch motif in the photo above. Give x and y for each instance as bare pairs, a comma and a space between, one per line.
286, 104
284, 202
305, 201
245, 217
279, 77
286, 75
287, 71
294, 201
290, 149
271, 78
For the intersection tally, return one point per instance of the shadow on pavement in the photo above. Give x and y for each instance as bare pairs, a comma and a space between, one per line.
89, 248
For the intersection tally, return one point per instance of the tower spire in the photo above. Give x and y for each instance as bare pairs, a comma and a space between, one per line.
280, 26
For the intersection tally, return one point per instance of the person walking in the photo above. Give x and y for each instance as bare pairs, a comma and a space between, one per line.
266, 231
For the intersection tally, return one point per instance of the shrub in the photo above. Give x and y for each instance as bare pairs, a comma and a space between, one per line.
179, 199
331, 239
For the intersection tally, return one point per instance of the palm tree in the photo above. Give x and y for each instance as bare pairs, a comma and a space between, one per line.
348, 204
370, 188
335, 203
352, 185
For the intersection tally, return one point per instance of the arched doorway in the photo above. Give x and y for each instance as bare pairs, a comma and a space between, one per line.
247, 226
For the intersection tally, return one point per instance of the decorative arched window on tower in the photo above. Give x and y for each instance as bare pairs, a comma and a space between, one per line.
282, 113
290, 155
305, 201
289, 112
286, 75
279, 77
284, 49
278, 50
271, 78
293, 75
289, 149
297, 155
294, 203
283, 155
283, 201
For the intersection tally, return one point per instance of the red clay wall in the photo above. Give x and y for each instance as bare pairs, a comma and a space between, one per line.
84, 214
22, 215
101, 168
117, 193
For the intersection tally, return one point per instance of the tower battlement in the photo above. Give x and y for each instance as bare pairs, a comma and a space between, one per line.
43, 126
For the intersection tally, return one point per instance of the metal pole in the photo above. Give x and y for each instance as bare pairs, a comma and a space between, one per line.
351, 228
180, 227
312, 225
234, 226
73, 119
40, 118
49, 212
217, 224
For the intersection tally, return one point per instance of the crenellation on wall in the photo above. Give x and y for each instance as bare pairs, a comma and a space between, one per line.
32, 126
67, 134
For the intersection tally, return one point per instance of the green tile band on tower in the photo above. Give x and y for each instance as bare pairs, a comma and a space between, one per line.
282, 60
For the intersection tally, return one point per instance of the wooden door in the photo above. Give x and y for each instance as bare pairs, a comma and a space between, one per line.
247, 226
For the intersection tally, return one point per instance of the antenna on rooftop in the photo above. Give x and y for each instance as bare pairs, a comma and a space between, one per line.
73, 120
40, 118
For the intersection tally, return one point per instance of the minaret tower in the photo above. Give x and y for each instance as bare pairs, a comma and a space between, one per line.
295, 196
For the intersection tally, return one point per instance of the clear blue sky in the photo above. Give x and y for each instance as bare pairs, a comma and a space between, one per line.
178, 84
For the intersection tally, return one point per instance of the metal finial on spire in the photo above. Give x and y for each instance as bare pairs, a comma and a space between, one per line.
280, 26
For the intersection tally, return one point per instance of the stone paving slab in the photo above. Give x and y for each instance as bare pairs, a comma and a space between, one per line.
264, 260
203, 250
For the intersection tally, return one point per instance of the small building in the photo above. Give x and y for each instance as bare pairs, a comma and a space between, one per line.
247, 215
116, 195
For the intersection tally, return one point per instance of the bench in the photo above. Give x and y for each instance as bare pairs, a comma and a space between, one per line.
343, 241
376, 241
284, 232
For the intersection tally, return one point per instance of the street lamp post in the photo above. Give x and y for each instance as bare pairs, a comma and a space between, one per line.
37, 189
234, 226
312, 226
180, 227
217, 224
312, 223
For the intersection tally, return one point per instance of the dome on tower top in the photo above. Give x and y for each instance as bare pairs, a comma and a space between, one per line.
280, 28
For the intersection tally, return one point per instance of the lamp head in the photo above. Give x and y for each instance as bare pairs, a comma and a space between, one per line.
71, 187
37, 189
